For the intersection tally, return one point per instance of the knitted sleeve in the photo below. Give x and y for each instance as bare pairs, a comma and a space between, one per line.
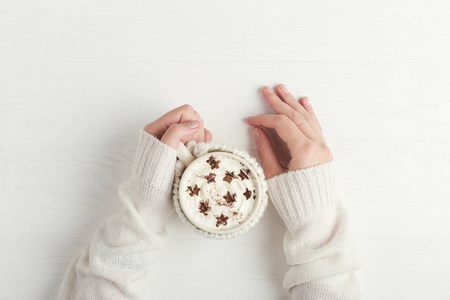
117, 262
317, 244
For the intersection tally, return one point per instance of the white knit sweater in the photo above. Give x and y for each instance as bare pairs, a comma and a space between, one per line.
117, 262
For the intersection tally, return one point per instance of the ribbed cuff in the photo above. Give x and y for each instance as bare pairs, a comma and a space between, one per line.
154, 163
147, 192
299, 195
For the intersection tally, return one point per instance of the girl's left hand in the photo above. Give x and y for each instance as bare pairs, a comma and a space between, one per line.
297, 125
180, 124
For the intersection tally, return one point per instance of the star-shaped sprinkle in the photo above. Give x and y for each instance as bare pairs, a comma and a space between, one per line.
211, 177
244, 174
213, 162
221, 220
193, 190
230, 198
204, 207
247, 193
229, 176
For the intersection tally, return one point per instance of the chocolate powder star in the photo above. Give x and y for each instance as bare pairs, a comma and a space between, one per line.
193, 190
213, 162
230, 198
204, 207
221, 220
243, 174
211, 177
229, 176
247, 193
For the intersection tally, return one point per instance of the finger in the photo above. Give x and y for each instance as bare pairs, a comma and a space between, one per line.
285, 128
308, 107
292, 102
208, 135
269, 160
193, 115
160, 125
200, 135
281, 107
287, 97
180, 132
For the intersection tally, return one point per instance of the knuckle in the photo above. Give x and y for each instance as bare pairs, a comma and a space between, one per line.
273, 101
150, 127
270, 99
187, 107
308, 148
308, 118
174, 129
197, 117
324, 148
282, 118
297, 118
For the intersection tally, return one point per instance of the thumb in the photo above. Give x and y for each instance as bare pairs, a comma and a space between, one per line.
266, 153
180, 132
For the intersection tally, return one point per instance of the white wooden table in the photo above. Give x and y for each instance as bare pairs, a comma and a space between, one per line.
79, 78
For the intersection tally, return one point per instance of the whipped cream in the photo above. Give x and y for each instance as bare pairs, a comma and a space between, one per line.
219, 192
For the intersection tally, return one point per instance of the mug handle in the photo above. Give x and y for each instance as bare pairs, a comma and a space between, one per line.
184, 154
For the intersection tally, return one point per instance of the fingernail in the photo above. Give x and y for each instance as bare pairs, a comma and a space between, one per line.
269, 89
256, 133
307, 101
193, 124
284, 89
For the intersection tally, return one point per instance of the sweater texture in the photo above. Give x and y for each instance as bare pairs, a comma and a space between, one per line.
117, 262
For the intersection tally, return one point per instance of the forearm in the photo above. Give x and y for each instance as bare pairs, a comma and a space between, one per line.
118, 260
317, 243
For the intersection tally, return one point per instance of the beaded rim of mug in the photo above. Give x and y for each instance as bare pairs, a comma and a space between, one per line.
200, 149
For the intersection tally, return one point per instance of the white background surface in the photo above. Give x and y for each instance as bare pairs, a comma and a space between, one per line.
79, 78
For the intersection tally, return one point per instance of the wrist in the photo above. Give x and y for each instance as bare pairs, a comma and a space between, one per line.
303, 194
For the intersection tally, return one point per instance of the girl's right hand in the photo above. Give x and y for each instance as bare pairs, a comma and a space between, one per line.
179, 125
297, 125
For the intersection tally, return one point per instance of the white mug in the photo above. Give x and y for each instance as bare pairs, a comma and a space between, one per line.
253, 208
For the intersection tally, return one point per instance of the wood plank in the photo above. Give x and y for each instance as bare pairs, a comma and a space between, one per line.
383, 30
